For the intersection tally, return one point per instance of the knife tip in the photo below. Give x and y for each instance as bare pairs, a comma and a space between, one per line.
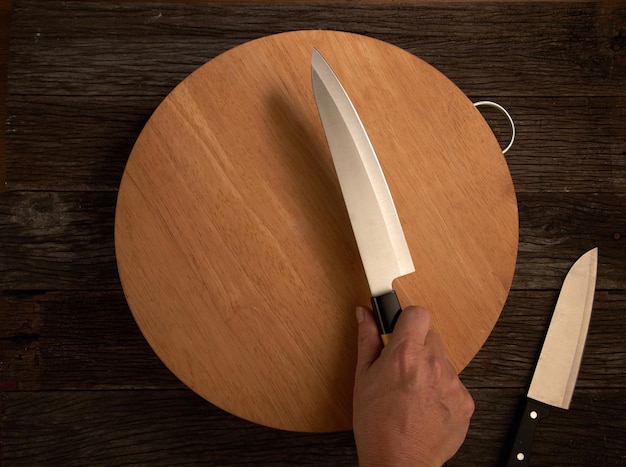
317, 59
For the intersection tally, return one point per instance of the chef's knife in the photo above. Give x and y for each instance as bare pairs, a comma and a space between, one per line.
555, 375
383, 248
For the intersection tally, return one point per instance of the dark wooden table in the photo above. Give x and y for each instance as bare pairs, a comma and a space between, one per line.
79, 384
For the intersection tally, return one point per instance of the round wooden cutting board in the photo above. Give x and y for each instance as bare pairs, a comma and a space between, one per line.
233, 243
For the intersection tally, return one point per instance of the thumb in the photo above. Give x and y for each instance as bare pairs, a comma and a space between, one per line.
369, 343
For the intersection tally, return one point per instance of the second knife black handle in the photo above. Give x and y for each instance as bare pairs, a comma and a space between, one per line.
533, 412
386, 311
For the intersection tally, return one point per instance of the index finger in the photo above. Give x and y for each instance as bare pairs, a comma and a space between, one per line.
413, 324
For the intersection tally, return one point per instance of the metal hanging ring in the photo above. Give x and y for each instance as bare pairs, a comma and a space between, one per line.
508, 116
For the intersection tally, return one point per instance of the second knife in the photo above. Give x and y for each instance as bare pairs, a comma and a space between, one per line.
555, 376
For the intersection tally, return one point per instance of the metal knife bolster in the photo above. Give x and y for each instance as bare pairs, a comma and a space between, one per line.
386, 309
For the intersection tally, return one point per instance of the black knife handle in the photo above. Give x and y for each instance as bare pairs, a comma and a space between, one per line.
386, 310
532, 414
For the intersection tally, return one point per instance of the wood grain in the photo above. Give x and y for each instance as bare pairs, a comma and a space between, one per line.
582, 151
79, 94
233, 243
101, 426
83, 333
5, 20
563, 50
64, 240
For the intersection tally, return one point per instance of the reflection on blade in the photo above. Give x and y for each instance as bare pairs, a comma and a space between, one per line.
377, 229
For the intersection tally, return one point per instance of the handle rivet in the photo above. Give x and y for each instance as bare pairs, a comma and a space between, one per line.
533, 414
520, 456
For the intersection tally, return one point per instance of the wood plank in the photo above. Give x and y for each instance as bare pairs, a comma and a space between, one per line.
509, 356
566, 145
78, 144
5, 20
100, 109
64, 240
57, 240
556, 228
88, 340
76, 340
177, 427
151, 428
590, 433
567, 48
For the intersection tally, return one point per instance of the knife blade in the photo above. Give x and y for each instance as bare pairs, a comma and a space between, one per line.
555, 375
379, 236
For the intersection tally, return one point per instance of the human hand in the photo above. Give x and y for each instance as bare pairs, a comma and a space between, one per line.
409, 407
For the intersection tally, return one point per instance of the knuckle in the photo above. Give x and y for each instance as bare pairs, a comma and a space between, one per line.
405, 356
468, 407
466, 403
